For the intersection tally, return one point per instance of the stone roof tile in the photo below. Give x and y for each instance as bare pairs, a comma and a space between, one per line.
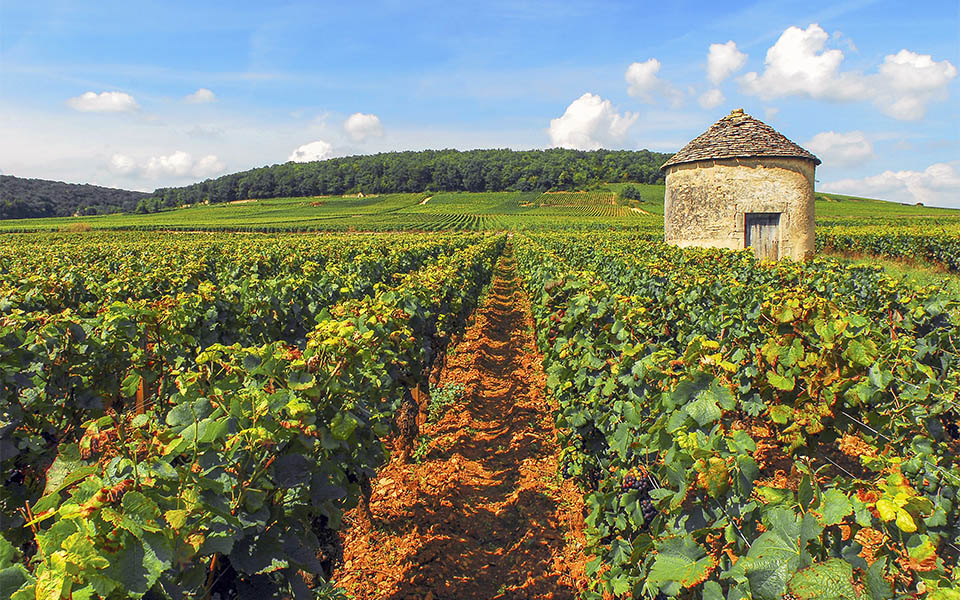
738, 135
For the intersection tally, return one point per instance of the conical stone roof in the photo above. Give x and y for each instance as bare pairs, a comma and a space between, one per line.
738, 135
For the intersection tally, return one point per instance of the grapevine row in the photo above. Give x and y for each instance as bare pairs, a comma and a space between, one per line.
750, 430
230, 483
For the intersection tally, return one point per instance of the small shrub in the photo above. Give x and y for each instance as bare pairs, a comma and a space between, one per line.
631, 192
76, 228
441, 398
423, 448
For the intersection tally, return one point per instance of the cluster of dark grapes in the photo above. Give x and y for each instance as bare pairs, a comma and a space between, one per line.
950, 425
16, 477
642, 485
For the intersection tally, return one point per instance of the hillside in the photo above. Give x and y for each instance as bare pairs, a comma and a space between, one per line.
603, 207
22, 198
423, 171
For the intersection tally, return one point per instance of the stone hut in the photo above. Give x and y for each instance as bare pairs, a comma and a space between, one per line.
741, 184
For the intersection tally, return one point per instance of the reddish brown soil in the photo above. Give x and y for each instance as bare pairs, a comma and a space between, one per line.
484, 514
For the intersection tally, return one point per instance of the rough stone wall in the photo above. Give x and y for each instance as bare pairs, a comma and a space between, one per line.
706, 201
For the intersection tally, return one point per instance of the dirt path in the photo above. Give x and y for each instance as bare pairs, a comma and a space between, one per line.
484, 514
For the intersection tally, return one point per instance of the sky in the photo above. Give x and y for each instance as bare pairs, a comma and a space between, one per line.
148, 94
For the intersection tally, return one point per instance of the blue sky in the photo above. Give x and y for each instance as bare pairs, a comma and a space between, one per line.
148, 94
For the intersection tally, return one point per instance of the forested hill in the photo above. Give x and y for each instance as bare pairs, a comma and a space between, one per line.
25, 198
427, 170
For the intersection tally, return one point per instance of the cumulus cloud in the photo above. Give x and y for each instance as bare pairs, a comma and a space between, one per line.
798, 64
712, 98
201, 96
937, 185
207, 166
122, 164
911, 81
178, 164
360, 126
318, 150
103, 102
723, 60
643, 83
590, 123
841, 149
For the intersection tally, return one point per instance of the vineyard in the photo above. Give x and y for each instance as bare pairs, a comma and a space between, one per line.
199, 415
744, 429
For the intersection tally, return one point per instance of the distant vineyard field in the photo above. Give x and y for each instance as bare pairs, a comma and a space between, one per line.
452, 211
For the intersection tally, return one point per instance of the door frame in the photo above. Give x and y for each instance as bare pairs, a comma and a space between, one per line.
780, 220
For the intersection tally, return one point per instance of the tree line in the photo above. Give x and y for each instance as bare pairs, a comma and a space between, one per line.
422, 171
22, 198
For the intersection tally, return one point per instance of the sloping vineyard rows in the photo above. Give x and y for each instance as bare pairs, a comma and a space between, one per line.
576, 198
247, 457
890, 242
589, 210
748, 430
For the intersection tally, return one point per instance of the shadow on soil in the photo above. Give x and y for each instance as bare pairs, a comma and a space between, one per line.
482, 521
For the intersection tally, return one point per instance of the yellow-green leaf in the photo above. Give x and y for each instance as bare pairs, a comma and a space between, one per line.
905, 521
887, 509
176, 518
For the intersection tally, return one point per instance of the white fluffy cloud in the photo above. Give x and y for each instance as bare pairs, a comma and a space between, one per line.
937, 185
643, 83
103, 102
122, 164
712, 98
207, 166
799, 65
911, 81
723, 60
590, 123
201, 96
318, 150
841, 149
178, 164
360, 126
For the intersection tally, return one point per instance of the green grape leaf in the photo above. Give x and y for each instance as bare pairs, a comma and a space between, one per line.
13, 577
861, 353
7, 552
712, 591
781, 413
877, 585
830, 580
343, 425
300, 380
780, 382
835, 505
702, 398
778, 553
67, 468
680, 560
130, 384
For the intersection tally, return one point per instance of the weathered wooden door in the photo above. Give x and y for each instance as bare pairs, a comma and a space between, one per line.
762, 233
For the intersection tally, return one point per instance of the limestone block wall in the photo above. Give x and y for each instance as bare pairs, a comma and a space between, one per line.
706, 201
